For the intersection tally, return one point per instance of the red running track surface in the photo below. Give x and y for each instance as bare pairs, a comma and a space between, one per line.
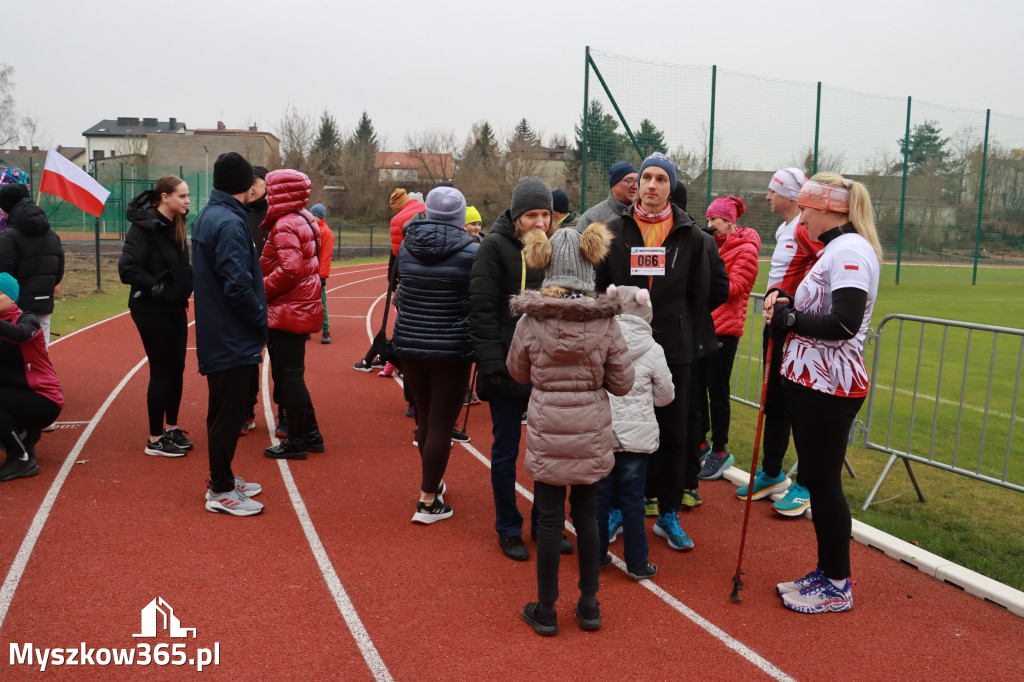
333, 581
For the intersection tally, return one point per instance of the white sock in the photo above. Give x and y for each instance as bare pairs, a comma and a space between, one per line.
841, 584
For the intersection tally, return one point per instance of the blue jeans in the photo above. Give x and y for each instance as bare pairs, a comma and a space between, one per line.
626, 482
507, 430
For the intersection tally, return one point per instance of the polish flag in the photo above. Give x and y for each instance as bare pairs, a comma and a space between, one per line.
63, 179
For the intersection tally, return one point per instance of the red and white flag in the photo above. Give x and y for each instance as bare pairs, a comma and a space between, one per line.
63, 179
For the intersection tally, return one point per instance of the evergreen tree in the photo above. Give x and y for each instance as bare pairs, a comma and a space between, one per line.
650, 139
926, 152
485, 145
365, 137
523, 137
328, 144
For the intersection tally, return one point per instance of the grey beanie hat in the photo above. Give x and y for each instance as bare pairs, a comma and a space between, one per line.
319, 211
530, 193
446, 205
568, 268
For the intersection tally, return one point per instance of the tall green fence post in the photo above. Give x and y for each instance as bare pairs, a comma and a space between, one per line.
981, 199
711, 131
586, 136
96, 176
903, 195
817, 130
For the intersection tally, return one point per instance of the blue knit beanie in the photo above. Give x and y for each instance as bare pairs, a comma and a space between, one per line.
9, 286
319, 210
663, 162
619, 170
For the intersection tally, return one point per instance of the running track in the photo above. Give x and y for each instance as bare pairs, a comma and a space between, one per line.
332, 581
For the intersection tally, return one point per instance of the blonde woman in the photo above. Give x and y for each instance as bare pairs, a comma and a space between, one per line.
823, 371
154, 261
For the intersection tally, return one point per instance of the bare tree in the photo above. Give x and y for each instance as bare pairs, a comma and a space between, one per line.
296, 131
32, 134
828, 160
8, 119
429, 148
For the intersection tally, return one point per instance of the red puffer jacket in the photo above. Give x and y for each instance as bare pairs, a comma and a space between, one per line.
291, 259
739, 251
411, 208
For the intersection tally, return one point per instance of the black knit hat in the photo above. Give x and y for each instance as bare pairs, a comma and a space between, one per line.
232, 173
559, 201
11, 194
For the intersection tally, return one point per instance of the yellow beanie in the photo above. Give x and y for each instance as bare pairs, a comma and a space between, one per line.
398, 199
472, 215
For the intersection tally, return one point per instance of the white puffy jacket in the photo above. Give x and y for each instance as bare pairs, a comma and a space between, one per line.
634, 426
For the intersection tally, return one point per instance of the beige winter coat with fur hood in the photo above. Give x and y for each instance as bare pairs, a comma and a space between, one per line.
572, 351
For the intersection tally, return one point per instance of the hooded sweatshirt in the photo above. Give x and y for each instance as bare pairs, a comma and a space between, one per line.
634, 425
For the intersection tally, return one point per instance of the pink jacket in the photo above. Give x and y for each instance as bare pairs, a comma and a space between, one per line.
291, 258
739, 251
24, 360
572, 351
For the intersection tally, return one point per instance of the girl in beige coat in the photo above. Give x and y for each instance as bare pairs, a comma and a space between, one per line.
569, 346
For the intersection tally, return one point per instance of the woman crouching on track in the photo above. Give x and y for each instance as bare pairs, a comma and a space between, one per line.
823, 371
30, 397
431, 335
154, 261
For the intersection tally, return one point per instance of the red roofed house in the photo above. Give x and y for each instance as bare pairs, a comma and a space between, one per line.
413, 167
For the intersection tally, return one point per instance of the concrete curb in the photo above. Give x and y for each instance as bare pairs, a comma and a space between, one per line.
926, 562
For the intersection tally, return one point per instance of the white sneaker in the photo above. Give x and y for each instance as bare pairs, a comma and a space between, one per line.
233, 502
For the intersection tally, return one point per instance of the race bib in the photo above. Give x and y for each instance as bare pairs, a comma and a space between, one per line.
647, 260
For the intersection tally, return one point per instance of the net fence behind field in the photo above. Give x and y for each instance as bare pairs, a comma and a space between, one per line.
947, 184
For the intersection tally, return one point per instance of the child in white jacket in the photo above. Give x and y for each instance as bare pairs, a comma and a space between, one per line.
635, 432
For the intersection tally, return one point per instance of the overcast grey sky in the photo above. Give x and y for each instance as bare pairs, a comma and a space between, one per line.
414, 66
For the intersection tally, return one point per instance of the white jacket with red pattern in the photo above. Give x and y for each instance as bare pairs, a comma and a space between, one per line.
291, 256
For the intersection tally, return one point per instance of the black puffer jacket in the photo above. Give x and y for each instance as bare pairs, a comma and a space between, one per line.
157, 270
434, 264
498, 274
679, 294
31, 251
704, 339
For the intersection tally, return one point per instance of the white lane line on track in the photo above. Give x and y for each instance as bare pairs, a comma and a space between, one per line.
28, 544
79, 331
341, 598
722, 636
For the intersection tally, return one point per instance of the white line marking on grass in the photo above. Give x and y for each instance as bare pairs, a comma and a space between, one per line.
28, 544
341, 599
722, 636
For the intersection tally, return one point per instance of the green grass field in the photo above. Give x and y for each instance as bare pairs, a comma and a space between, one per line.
975, 524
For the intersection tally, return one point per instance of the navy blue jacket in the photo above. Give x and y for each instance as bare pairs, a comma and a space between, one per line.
434, 264
231, 306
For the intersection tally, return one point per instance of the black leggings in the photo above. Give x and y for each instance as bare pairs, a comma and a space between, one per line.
164, 336
438, 389
776, 411
821, 428
287, 353
719, 370
22, 409
666, 467
550, 502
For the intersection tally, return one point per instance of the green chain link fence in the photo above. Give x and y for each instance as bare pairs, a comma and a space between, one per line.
954, 194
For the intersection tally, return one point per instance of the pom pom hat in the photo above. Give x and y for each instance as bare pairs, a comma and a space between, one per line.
635, 301
726, 208
568, 257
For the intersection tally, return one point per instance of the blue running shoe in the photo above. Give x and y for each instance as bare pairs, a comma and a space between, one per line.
765, 486
796, 502
668, 527
715, 465
614, 524
820, 596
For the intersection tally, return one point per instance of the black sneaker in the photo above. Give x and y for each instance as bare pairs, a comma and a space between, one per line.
514, 548
590, 617
649, 570
460, 436
429, 513
564, 546
546, 625
362, 366
604, 562
247, 426
377, 362
164, 447
18, 468
177, 437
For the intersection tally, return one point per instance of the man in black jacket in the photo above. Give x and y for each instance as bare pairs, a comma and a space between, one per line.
31, 251
657, 246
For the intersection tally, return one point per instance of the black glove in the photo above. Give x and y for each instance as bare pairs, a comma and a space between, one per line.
160, 292
491, 374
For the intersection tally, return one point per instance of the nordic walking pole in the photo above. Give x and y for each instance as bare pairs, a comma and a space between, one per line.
737, 580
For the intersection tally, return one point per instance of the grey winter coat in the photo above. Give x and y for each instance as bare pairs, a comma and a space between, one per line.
634, 425
602, 213
573, 352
